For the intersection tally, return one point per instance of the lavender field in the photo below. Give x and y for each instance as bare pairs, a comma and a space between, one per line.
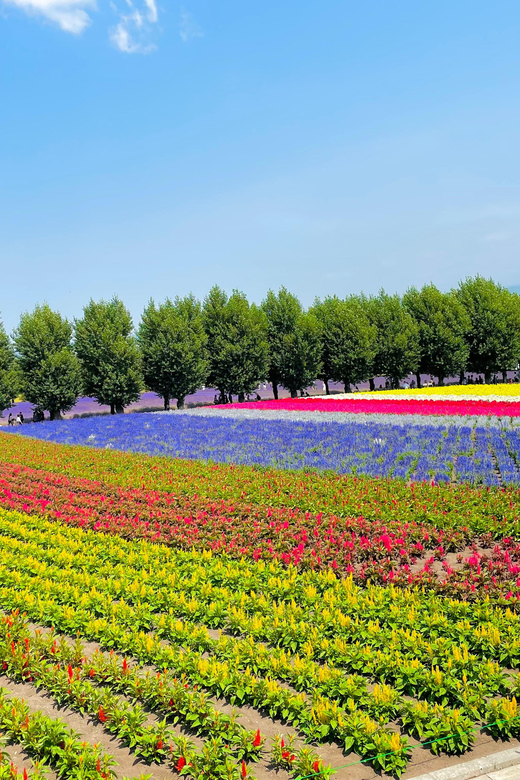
409, 449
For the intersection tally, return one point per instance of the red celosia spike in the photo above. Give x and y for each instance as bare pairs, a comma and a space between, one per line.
257, 741
244, 769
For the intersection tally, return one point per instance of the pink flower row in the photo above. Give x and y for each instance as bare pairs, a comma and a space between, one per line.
381, 406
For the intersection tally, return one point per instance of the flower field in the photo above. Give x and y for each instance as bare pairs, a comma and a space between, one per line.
503, 391
401, 406
357, 666
452, 450
240, 593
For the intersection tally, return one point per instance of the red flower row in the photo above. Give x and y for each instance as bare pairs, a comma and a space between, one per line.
376, 549
478, 408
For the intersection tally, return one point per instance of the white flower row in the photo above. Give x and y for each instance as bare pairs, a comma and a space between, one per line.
348, 417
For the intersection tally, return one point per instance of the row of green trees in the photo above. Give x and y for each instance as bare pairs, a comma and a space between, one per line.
233, 345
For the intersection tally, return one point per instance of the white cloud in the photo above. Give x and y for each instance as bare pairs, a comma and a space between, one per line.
152, 11
132, 33
70, 15
188, 27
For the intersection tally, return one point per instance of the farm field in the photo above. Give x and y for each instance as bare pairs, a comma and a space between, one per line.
442, 448
226, 617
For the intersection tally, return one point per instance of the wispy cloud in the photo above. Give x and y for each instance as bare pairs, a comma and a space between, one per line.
70, 15
132, 33
188, 27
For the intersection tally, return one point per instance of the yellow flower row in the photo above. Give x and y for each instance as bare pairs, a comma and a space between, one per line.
475, 390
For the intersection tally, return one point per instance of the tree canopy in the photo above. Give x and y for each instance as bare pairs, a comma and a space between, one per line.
108, 354
9, 376
294, 342
443, 326
173, 343
397, 349
348, 341
237, 342
493, 336
49, 371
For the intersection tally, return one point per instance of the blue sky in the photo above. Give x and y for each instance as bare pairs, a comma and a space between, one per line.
153, 148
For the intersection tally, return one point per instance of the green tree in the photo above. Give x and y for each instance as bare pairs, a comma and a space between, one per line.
443, 325
348, 341
172, 341
49, 370
9, 376
294, 342
509, 352
237, 342
397, 341
108, 353
494, 334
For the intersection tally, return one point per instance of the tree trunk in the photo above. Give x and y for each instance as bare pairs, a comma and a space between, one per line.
54, 414
372, 385
112, 408
462, 377
180, 402
348, 388
241, 398
441, 381
275, 391
418, 377
487, 377
504, 376
166, 403
326, 383
120, 409
294, 394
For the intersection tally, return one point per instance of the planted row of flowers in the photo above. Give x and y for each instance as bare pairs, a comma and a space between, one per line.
51, 742
214, 677
262, 555
392, 551
429, 663
455, 390
92, 684
289, 628
220, 592
378, 404
237, 489
377, 445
